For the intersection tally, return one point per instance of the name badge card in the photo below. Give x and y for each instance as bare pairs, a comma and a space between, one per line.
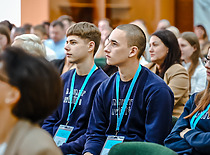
62, 134
111, 141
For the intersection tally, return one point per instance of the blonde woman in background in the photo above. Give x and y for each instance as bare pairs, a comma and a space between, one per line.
190, 49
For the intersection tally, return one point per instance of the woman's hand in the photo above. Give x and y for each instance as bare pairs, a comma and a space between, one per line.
184, 132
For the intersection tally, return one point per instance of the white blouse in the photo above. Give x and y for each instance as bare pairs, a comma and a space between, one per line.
3, 147
198, 79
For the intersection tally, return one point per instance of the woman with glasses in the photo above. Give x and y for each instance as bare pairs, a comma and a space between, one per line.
30, 90
191, 133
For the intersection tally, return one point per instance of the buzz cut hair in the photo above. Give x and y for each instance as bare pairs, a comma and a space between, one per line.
135, 37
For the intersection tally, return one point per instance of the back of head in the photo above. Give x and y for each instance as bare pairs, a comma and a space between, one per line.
57, 23
169, 40
163, 24
193, 40
135, 37
86, 30
40, 28
37, 80
174, 29
7, 24
65, 17
31, 43
27, 28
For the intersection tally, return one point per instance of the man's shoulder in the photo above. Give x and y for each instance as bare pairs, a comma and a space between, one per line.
65, 76
100, 74
151, 80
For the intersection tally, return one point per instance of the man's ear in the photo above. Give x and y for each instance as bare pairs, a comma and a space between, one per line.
13, 96
91, 46
133, 51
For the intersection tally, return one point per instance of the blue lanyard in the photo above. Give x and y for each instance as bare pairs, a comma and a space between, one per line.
119, 119
80, 92
194, 121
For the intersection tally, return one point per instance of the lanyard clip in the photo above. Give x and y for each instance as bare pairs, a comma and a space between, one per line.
67, 122
117, 131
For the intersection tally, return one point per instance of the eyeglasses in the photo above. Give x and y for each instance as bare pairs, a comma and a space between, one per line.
206, 61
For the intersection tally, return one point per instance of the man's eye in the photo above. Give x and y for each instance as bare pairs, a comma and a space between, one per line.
73, 43
114, 43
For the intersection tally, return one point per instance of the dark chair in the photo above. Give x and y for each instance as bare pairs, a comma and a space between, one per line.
140, 148
174, 119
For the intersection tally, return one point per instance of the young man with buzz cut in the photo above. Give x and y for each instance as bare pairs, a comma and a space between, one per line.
68, 124
132, 105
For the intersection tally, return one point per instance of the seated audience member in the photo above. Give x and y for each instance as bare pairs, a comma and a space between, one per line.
190, 50
146, 56
30, 90
191, 133
57, 39
163, 24
16, 31
80, 86
40, 31
201, 33
175, 30
67, 21
134, 104
31, 43
46, 25
7, 24
165, 57
27, 28
4, 37
105, 27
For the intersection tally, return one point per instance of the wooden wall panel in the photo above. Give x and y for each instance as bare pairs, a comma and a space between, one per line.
184, 15
34, 11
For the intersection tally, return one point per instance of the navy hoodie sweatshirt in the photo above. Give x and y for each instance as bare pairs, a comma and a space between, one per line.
80, 117
148, 116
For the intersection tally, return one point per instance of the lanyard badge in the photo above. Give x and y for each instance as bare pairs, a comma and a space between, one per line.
111, 141
62, 134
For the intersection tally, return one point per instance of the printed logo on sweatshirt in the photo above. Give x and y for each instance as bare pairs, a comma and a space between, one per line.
75, 95
205, 116
120, 102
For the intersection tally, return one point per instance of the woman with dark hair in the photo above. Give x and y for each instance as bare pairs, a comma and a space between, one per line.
190, 50
31, 89
191, 133
165, 56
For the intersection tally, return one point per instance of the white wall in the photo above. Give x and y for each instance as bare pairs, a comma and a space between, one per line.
11, 10
202, 13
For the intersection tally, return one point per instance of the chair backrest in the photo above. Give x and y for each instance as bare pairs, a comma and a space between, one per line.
140, 148
174, 119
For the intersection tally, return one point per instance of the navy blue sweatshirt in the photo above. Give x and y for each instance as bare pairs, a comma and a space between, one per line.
148, 116
80, 117
195, 141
